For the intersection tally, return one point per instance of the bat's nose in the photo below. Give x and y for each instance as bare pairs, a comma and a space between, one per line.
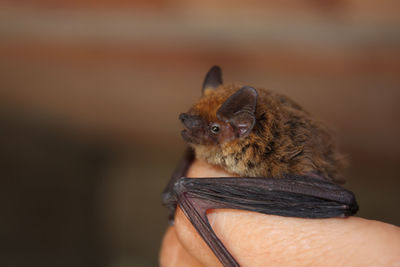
190, 121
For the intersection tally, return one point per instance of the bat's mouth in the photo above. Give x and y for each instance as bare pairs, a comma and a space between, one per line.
193, 125
188, 137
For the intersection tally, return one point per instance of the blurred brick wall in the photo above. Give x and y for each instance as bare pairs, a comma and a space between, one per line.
110, 65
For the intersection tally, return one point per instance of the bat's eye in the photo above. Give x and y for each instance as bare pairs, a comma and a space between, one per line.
215, 128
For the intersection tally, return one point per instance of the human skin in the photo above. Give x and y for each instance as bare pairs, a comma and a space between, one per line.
256, 239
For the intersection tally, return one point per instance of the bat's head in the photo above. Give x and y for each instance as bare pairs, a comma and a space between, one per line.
221, 115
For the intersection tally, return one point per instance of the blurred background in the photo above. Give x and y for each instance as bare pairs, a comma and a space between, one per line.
90, 92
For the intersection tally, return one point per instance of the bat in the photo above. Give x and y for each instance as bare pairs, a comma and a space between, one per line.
286, 161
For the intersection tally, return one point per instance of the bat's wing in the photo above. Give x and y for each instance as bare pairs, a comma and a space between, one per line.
294, 196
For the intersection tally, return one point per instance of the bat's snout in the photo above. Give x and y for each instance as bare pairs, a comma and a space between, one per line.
193, 128
190, 121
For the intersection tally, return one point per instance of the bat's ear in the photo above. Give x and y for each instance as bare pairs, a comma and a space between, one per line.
239, 110
213, 78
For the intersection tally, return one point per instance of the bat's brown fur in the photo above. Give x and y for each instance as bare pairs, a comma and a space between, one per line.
284, 140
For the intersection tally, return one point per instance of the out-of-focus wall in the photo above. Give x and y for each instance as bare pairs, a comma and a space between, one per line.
107, 79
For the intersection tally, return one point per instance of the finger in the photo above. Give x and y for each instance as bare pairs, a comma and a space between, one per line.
173, 254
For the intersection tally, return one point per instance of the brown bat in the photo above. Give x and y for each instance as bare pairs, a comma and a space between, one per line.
286, 161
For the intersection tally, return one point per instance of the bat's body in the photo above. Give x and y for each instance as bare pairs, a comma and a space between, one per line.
284, 139
286, 161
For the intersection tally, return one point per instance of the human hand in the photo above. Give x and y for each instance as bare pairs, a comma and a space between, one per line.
256, 239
